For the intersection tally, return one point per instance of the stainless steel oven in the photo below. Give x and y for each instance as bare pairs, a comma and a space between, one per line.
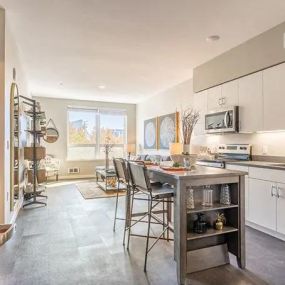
222, 121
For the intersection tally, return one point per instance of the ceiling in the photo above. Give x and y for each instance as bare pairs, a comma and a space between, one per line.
134, 48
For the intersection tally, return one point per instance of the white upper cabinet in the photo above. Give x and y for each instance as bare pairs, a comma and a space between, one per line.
200, 104
230, 93
223, 95
214, 98
250, 103
274, 97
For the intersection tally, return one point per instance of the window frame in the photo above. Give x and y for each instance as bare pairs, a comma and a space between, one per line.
97, 145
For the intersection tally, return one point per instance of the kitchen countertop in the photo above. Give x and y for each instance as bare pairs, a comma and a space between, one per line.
261, 164
198, 172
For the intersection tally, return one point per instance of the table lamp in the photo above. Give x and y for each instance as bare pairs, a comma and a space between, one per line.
175, 148
131, 149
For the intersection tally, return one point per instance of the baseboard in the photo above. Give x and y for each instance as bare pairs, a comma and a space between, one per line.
265, 230
75, 176
16, 211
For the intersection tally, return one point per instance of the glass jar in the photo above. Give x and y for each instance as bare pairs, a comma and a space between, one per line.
207, 197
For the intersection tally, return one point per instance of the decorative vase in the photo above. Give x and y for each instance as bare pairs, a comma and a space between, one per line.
186, 148
219, 225
106, 160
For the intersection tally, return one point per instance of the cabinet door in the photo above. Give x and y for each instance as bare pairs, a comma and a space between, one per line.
251, 103
200, 104
230, 93
281, 208
214, 98
262, 205
274, 99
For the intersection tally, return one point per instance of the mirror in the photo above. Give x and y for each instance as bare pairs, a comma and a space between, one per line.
14, 145
51, 134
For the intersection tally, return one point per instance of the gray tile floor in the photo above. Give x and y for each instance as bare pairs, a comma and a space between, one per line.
71, 242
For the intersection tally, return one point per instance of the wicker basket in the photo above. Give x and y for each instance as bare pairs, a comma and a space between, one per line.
29, 153
6, 232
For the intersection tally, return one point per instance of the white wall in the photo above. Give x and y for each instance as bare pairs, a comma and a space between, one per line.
57, 110
11, 60
181, 96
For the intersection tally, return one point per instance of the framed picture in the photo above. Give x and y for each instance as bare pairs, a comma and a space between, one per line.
150, 133
167, 130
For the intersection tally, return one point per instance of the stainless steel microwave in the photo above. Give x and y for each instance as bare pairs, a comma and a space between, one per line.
222, 121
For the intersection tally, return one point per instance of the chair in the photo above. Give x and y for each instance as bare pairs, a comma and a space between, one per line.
156, 194
51, 166
122, 178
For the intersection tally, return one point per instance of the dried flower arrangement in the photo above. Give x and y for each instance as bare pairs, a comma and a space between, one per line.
189, 118
107, 149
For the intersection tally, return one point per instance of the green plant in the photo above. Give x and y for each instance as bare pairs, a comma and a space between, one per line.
176, 164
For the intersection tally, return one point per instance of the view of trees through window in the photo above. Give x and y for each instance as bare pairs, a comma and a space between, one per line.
89, 129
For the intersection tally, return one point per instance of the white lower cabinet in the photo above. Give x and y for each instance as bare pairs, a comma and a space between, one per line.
280, 208
262, 203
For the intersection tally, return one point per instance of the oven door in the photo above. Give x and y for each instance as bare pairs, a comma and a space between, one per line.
222, 121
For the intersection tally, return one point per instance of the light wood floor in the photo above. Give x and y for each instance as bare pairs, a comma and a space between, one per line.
71, 242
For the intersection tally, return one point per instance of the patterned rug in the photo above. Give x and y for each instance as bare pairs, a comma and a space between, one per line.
90, 190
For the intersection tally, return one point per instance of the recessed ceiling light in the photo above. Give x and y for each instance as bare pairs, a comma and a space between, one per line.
101, 86
213, 38
60, 83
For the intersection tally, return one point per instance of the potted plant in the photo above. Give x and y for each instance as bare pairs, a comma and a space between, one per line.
189, 118
220, 221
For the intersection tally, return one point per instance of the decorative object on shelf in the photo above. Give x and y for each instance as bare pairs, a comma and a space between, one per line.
220, 221
190, 198
225, 195
207, 197
51, 132
189, 118
131, 149
40, 152
150, 133
107, 149
200, 225
167, 130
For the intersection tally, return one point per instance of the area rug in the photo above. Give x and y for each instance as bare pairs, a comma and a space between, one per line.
90, 190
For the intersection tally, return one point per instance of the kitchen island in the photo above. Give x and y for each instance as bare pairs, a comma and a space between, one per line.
199, 251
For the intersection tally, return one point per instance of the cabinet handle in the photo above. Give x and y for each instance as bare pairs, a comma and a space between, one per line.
278, 192
273, 187
220, 101
224, 100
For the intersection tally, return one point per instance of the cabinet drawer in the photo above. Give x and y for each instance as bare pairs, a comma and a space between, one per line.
267, 174
237, 167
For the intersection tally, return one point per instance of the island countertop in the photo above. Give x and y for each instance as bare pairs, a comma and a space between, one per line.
198, 172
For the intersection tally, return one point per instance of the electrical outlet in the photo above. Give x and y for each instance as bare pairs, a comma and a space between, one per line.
265, 149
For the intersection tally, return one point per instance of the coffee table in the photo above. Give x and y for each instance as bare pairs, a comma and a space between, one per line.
106, 176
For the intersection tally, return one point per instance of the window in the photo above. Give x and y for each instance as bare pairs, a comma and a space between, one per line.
90, 129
